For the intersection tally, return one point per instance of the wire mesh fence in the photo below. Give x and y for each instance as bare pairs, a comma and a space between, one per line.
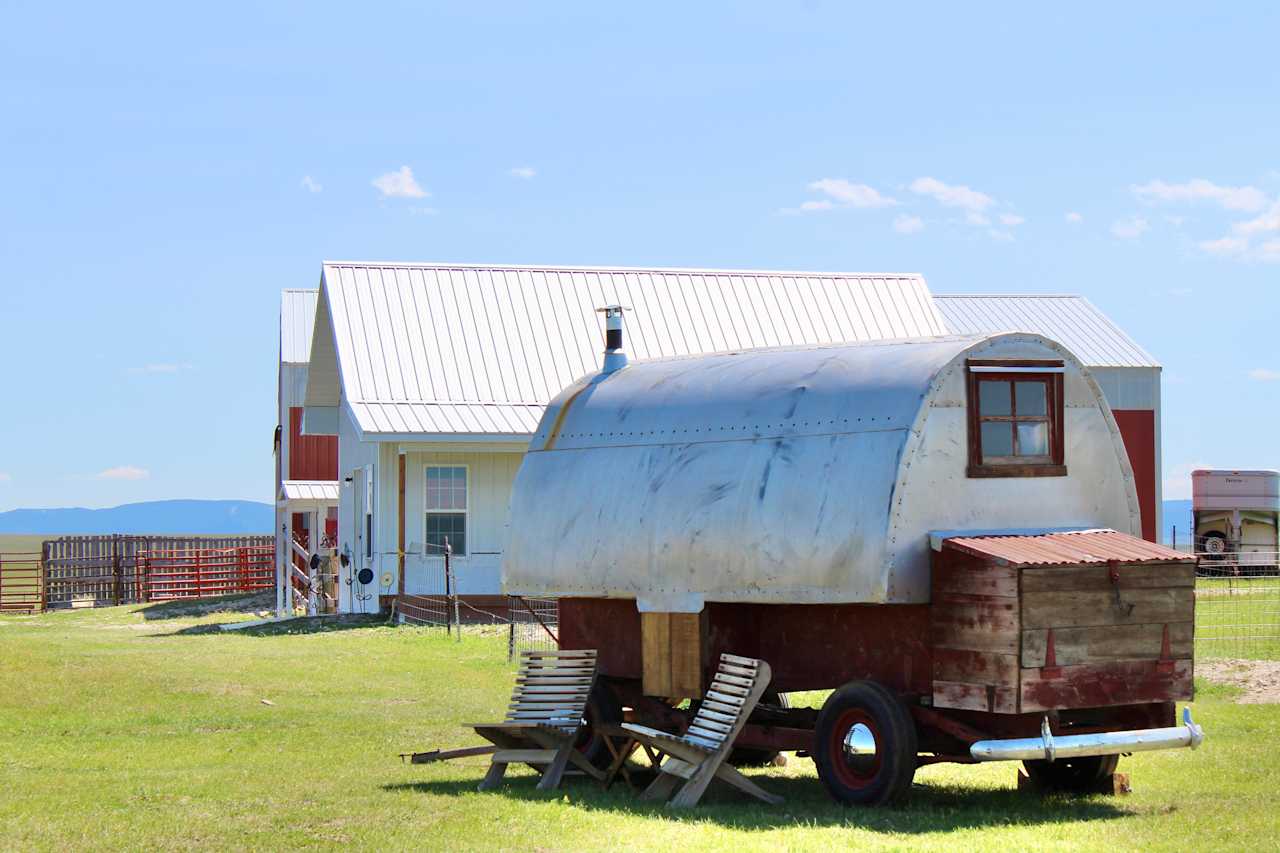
1238, 606
534, 625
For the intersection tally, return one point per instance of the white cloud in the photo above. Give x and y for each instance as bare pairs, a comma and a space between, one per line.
952, 195
309, 184
1225, 246
1011, 219
1180, 291
399, 184
124, 472
1267, 222
163, 367
851, 195
1262, 374
525, 172
1198, 189
980, 220
1270, 251
5, 477
905, 224
1073, 217
1129, 229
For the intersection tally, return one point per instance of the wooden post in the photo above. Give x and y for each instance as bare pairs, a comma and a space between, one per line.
115, 567
400, 590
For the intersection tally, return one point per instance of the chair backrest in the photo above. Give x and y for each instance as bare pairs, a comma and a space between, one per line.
736, 688
553, 688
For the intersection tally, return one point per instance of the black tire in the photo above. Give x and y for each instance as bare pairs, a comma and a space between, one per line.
879, 779
603, 707
745, 757
1072, 775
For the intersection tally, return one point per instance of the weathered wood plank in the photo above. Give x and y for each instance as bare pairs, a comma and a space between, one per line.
1145, 576
989, 626
976, 667
975, 697
686, 653
655, 648
1079, 609
980, 579
1104, 684
1100, 643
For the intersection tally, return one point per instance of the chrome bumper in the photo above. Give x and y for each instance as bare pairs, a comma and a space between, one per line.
1048, 748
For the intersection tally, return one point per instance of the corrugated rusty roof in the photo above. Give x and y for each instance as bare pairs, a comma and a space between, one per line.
1066, 549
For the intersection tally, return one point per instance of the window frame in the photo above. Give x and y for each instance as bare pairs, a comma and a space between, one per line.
1050, 372
465, 512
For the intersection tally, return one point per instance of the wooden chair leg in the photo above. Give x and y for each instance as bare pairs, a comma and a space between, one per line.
551, 778
661, 787
494, 777
688, 796
728, 773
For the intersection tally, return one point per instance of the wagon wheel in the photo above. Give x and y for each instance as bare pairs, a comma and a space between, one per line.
1076, 775
865, 745
603, 708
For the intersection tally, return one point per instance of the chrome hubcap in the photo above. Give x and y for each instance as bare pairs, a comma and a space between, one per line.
859, 742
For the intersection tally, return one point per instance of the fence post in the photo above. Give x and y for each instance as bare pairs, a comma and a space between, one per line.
44, 569
453, 585
115, 568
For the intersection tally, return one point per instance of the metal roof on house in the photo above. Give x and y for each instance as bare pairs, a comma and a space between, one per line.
1072, 321
310, 490
480, 350
297, 319
1067, 549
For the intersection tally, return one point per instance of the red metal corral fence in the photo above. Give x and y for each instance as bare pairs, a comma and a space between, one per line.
21, 583
93, 571
173, 573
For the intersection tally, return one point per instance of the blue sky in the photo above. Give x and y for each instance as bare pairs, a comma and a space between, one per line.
165, 171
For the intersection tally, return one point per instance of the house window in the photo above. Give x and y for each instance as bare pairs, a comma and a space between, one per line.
447, 508
1015, 418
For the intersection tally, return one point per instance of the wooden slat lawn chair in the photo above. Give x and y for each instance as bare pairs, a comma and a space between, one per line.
544, 718
698, 756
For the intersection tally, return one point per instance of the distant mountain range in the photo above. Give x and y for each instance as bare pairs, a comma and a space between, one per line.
181, 516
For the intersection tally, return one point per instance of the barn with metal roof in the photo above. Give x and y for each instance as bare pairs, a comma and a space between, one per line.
433, 378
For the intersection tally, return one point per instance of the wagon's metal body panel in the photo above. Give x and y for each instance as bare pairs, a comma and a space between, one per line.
788, 476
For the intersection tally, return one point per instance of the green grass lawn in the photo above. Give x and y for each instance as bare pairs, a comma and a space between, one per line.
138, 727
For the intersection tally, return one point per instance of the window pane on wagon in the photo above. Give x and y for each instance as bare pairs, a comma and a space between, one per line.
1031, 399
1033, 439
994, 398
997, 439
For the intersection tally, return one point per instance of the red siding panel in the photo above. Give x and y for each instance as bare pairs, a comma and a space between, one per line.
311, 457
1138, 428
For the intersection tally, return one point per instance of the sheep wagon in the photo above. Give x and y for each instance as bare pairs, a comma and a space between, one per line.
941, 531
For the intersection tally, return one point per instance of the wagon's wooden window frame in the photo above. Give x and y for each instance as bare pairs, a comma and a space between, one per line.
452, 511
1049, 373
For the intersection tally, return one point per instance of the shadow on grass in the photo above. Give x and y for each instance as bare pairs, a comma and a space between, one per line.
187, 608
300, 625
930, 808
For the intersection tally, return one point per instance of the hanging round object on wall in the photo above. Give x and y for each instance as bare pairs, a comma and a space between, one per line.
387, 577
365, 577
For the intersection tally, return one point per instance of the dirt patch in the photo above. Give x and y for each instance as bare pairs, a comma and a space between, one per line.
1259, 679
